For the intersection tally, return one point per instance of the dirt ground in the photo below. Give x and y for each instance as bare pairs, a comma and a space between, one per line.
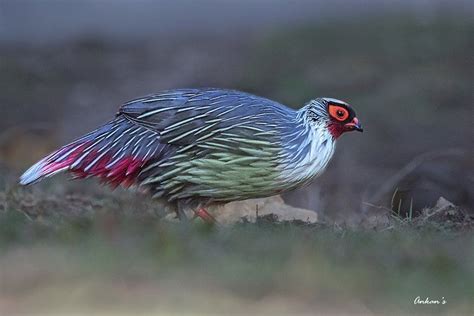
112, 253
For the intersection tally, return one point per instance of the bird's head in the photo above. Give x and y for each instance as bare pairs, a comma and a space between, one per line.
336, 115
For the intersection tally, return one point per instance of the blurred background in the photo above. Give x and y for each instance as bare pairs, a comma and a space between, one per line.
406, 66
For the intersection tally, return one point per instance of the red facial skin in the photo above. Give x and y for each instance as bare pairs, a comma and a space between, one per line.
337, 128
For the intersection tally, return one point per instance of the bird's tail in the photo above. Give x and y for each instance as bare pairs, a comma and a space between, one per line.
115, 152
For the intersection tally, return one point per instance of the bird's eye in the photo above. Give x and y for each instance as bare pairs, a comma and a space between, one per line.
338, 112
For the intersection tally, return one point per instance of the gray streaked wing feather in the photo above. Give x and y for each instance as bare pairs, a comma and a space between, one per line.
190, 116
225, 143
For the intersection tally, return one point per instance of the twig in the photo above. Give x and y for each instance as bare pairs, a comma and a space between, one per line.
387, 228
377, 206
443, 208
388, 185
26, 215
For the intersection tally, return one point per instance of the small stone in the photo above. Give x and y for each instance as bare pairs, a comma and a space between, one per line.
234, 212
443, 203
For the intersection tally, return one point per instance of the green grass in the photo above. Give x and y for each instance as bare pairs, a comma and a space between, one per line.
110, 256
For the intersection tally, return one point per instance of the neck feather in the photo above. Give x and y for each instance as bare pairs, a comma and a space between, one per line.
308, 150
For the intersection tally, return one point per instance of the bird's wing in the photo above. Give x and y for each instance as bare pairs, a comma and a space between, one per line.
226, 144
191, 116
212, 143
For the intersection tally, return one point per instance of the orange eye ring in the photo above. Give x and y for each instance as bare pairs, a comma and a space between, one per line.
338, 112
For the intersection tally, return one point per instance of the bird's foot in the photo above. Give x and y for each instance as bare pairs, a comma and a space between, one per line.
205, 216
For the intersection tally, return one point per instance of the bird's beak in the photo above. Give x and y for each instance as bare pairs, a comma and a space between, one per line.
354, 126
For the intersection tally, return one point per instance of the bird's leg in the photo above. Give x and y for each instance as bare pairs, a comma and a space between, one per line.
181, 215
181, 209
205, 216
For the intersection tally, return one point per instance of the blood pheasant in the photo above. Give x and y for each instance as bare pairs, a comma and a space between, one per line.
195, 147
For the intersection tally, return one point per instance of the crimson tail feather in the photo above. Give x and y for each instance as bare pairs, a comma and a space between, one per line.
115, 152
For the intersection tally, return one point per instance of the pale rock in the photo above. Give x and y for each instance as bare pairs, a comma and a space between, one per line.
236, 212
443, 203
233, 212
